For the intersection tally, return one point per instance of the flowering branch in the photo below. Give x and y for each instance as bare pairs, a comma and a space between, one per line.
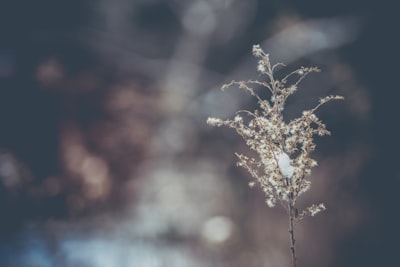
284, 163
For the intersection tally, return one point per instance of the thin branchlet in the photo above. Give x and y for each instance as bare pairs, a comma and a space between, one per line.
283, 164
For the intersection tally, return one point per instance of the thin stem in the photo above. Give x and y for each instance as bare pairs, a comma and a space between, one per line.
292, 217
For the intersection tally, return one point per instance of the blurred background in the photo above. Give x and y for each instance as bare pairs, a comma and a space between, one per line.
106, 159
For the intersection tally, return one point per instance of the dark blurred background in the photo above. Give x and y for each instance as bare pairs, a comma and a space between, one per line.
106, 159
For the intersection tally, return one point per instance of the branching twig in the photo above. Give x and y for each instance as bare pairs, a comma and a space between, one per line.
283, 149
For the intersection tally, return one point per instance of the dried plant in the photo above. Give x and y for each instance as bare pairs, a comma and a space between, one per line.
283, 161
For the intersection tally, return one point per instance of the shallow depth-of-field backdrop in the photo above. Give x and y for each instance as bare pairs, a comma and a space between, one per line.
106, 159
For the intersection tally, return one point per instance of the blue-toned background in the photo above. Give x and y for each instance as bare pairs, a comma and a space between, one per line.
106, 159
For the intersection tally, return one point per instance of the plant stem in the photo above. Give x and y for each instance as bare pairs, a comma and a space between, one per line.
292, 217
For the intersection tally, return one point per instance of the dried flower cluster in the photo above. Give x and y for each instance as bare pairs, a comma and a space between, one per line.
284, 162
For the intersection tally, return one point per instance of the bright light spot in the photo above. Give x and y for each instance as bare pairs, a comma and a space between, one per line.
200, 18
307, 37
217, 229
97, 253
95, 175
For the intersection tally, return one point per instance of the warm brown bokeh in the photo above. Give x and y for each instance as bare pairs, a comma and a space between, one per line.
106, 158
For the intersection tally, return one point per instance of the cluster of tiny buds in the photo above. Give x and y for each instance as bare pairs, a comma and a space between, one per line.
283, 162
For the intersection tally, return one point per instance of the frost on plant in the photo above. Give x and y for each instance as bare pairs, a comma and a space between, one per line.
283, 160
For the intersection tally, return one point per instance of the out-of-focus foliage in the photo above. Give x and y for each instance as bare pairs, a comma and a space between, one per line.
105, 156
